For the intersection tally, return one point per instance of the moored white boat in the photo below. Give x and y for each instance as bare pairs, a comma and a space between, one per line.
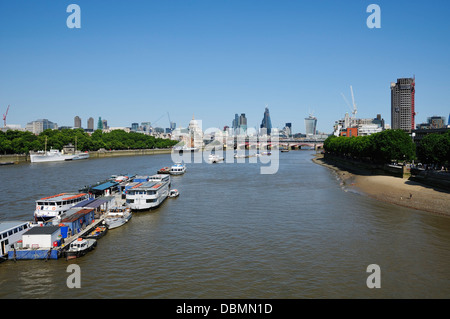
80, 247
53, 206
178, 169
10, 233
212, 158
174, 193
117, 216
56, 156
149, 195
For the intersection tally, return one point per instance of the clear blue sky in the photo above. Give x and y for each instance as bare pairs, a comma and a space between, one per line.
134, 61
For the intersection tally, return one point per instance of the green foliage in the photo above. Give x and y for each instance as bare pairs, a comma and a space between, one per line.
380, 147
20, 142
435, 149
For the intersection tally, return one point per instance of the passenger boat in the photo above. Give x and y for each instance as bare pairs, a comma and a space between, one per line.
80, 247
174, 193
56, 156
178, 169
215, 158
117, 216
97, 233
185, 149
164, 170
148, 195
10, 233
53, 206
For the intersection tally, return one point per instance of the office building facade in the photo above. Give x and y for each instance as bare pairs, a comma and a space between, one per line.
310, 125
266, 124
403, 104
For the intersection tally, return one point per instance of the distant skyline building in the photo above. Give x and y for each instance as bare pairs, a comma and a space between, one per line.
135, 127
77, 122
266, 124
235, 124
288, 129
403, 104
146, 126
90, 124
310, 125
38, 126
433, 122
242, 124
100, 124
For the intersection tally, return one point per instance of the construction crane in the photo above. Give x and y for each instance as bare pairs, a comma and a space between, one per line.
4, 117
354, 109
153, 123
354, 104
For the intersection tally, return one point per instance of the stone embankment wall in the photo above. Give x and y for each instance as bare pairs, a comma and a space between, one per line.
24, 158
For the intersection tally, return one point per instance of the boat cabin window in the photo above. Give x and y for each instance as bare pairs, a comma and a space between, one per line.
52, 204
4, 235
151, 200
130, 201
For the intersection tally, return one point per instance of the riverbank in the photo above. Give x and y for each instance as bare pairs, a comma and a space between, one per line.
25, 158
395, 190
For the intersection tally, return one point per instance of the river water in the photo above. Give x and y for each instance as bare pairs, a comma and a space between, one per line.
234, 233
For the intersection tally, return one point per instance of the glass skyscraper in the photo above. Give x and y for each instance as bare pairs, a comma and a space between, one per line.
266, 124
310, 125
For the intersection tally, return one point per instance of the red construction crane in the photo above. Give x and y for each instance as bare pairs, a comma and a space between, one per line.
4, 117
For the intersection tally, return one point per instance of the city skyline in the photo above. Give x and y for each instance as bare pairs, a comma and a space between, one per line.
133, 62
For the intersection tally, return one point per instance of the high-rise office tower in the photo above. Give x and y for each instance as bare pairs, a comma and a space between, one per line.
288, 129
242, 124
266, 124
310, 125
90, 124
402, 104
99, 124
235, 123
77, 122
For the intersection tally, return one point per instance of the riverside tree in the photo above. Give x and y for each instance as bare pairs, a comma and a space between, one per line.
382, 147
21, 142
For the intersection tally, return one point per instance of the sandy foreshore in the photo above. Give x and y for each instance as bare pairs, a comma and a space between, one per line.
393, 190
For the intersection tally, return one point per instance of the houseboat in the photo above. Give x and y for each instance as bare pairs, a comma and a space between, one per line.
10, 233
50, 207
148, 195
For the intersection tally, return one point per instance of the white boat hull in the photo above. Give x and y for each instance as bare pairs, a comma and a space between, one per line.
147, 202
57, 157
117, 221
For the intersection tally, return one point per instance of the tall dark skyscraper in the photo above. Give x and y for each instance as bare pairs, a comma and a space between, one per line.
100, 124
235, 123
266, 122
402, 104
242, 124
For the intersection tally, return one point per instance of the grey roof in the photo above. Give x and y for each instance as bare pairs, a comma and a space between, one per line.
42, 230
10, 224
